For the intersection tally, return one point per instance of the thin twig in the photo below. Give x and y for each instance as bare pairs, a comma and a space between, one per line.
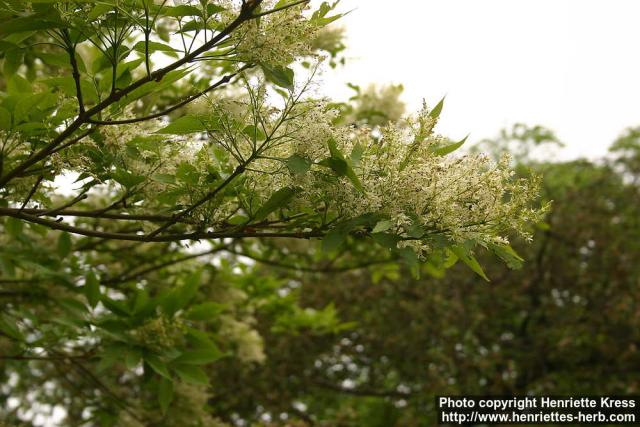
225, 79
32, 192
136, 274
75, 73
210, 195
279, 9
74, 140
54, 211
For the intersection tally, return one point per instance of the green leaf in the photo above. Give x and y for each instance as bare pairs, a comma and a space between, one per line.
338, 166
191, 374
127, 67
238, 220
9, 328
204, 311
55, 60
320, 18
156, 86
281, 76
415, 230
40, 21
5, 119
142, 304
543, 226
194, 25
12, 60
155, 47
341, 166
18, 85
67, 86
26, 105
181, 11
435, 113
187, 292
165, 394
336, 236
383, 225
132, 358
126, 178
507, 254
116, 328
254, 133
164, 178
61, 60
463, 253
200, 357
298, 165
199, 339
99, 10
442, 151
333, 149
92, 289
412, 260
187, 173
356, 154
109, 357
214, 8
116, 307
73, 306
13, 227
7, 266
184, 125
386, 240
278, 200
64, 245
157, 365
333, 239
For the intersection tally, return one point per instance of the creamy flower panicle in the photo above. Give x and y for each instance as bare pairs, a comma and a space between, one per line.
405, 179
276, 38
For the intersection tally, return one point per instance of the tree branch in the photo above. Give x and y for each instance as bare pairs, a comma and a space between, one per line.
279, 9
245, 15
100, 214
75, 73
134, 275
32, 192
225, 79
324, 269
210, 195
198, 235
55, 211
74, 140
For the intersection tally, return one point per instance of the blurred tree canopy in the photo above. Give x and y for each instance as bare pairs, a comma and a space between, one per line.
192, 236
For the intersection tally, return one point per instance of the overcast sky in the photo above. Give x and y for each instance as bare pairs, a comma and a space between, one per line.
570, 65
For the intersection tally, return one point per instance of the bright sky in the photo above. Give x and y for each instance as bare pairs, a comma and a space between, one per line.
570, 65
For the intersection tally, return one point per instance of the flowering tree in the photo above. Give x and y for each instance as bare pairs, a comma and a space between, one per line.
132, 131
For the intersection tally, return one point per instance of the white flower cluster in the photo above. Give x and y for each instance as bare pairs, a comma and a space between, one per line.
277, 38
248, 343
420, 193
